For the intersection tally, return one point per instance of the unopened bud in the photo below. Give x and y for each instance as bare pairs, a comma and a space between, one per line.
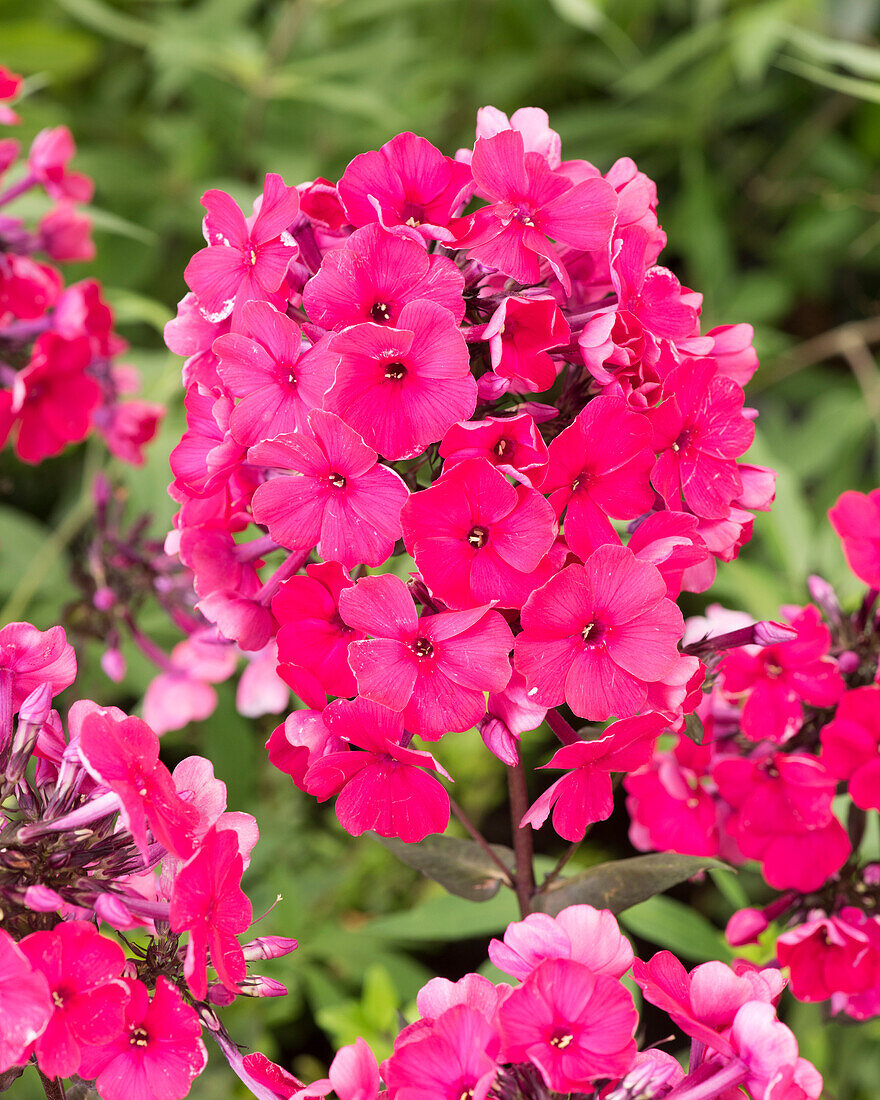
219, 995
113, 664
825, 598
848, 661
257, 986
104, 598
745, 927
43, 899
36, 707
268, 947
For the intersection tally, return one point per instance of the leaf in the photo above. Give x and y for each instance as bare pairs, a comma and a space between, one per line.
677, 927
848, 85
622, 883
693, 728
460, 866
861, 60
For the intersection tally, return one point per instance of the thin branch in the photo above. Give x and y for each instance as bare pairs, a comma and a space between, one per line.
522, 838
483, 843
835, 342
553, 875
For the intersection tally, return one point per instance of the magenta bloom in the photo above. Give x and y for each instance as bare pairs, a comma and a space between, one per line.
434, 669
599, 467
25, 1003
856, 519
159, 1053
374, 275
455, 1057
403, 387
209, 903
31, 658
477, 539
768, 1052
783, 817
579, 932
243, 263
124, 756
649, 296
503, 440
670, 809
597, 634
776, 680
699, 432
342, 501
312, 634
584, 796
530, 205
831, 955
520, 333
264, 366
407, 182
851, 745
386, 787
572, 1024
83, 970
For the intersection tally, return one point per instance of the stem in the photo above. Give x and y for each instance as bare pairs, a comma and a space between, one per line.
522, 838
561, 728
52, 1086
17, 189
483, 843
560, 864
287, 569
733, 1074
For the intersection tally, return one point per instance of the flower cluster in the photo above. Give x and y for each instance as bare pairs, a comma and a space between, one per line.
789, 728
58, 379
567, 1027
95, 830
470, 372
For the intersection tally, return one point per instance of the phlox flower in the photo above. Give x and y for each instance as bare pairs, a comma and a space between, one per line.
25, 1003
455, 1057
572, 1024
828, 955
595, 635
584, 795
408, 182
856, 519
579, 932
207, 454
651, 296
128, 426
209, 903
851, 745
265, 366
30, 658
768, 1051
671, 809
341, 499
532, 122
184, 692
434, 669
598, 467
509, 714
312, 634
10, 86
374, 275
243, 263
83, 970
777, 680
473, 990
403, 387
671, 542
27, 288
299, 741
354, 1075
159, 1053
502, 440
531, 205
124, 756
519, 333
732, 350
477, 539
385, 787
260, 689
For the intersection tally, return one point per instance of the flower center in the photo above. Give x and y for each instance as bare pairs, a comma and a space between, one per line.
478, 537
561, 1041
526, 217
395, 371
421, 647
57, 999
253, 257
380, 312
337, 481
291, 377
139, 1037
502, 447
683, 441
593, 633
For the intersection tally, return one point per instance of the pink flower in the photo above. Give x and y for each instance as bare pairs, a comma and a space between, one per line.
856, 519
572, 1024
374, 275
124, 756
402, 388
263, 365
50, 153
597, 634
207, 455
312, 634
128, 427
579, 932
519, 334
769, 1052
243, 263
584, 796
477, 539
342, 501
66, 234
159, 1054
25, 1003
354, 1075
183, 693
455, 1057
851, 745
670, 809
699, 432
408, 182
299, 741
434, 669
386, 787
651, 296
599, 467
509, 714
670, 540
31, 657
733, 352
503, 440
530, 205
209, 903
534, 125
83, 971
777, 679
831, 955
10, 86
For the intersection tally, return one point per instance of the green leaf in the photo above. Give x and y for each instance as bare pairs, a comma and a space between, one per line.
861, 60
848, 85
622, 883
677, 927
460, 866
693, 728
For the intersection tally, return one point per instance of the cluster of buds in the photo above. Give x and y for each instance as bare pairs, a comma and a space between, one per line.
790, 728
58, 378
95, 831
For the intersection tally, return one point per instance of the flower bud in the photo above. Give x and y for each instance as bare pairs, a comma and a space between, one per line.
745, 926
268, 947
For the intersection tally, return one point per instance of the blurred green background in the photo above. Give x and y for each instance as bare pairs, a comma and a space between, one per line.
760, 122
